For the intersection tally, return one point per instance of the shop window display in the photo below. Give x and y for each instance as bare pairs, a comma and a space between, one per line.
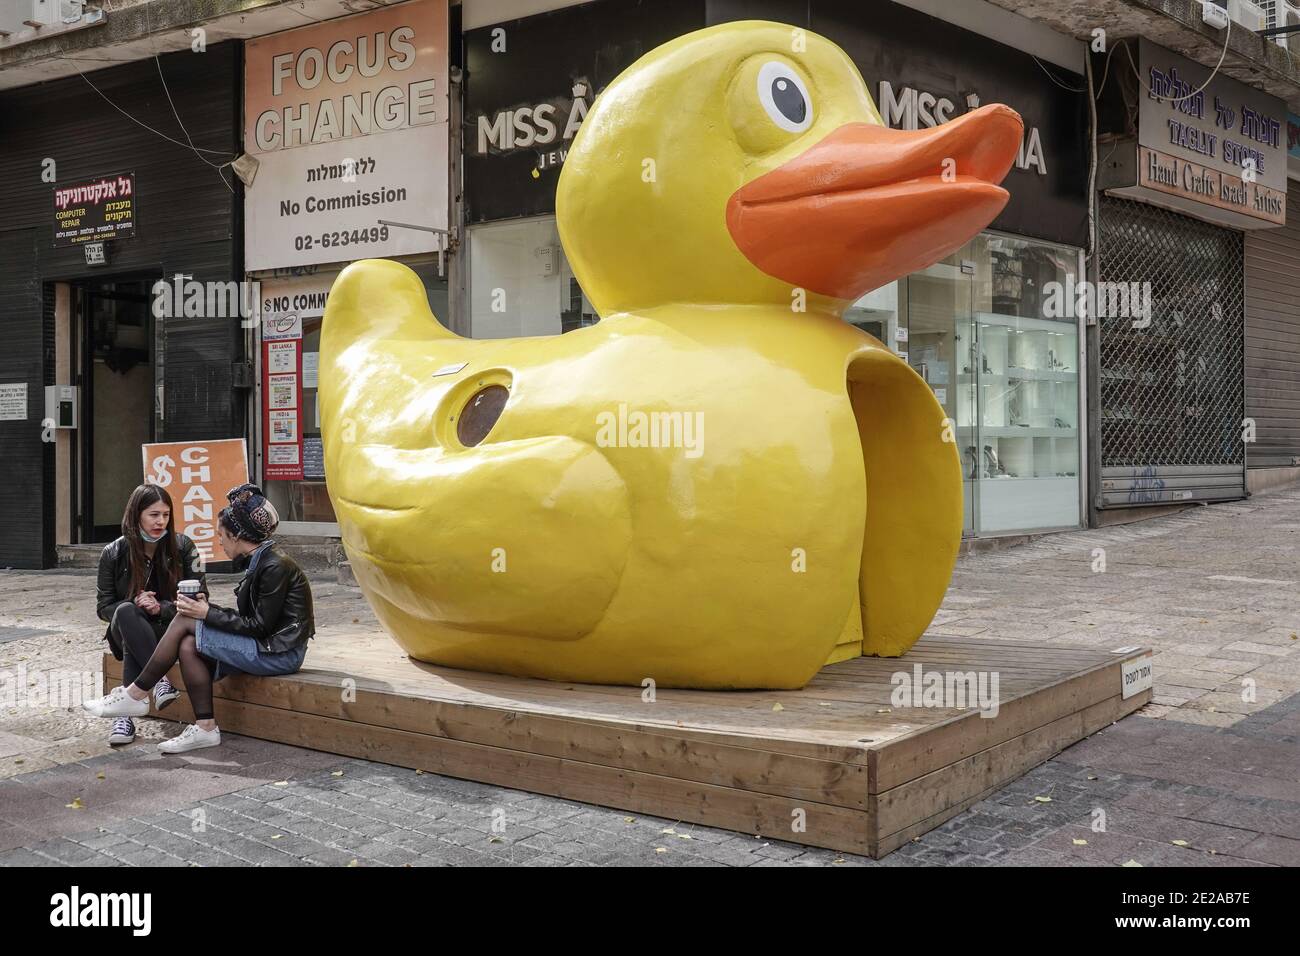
521, 283
998, 343
307, 500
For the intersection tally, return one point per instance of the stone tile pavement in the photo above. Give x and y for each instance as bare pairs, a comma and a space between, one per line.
1207, 775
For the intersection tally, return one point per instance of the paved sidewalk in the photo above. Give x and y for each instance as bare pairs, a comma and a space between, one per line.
1208, 774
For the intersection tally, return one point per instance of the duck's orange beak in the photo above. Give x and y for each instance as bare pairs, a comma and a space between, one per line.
868, 204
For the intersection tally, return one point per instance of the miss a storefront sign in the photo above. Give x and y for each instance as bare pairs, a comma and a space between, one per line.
909, 108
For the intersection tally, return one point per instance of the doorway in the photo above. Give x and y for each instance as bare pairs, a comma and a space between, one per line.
112, 333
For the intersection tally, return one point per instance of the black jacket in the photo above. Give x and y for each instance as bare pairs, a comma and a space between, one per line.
273, 604
114, 582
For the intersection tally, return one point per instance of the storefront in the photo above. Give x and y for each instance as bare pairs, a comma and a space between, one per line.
349, 123
1191, 165
528, 85
99, 210
1273, 337
990, 328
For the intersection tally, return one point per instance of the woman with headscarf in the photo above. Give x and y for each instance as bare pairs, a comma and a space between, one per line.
136, 589
265, 634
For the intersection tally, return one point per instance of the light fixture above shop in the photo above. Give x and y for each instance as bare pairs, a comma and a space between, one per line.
245, 168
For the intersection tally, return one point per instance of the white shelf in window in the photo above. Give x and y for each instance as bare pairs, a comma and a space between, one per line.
1022, 374
1015, 431
1024, 323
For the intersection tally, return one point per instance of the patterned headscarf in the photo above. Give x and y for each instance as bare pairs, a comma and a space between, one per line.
249, 514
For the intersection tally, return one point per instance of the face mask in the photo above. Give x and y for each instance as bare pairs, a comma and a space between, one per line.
145, 536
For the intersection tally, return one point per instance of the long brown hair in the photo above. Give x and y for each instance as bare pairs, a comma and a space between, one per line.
167, 555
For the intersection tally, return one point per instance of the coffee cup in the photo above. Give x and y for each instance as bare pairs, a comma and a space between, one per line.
190, 588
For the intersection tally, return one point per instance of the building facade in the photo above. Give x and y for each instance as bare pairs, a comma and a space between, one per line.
983, 328
86, 324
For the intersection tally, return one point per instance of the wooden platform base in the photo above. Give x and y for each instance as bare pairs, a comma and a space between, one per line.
833, 765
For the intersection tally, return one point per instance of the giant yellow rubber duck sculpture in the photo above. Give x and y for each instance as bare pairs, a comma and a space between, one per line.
721, 484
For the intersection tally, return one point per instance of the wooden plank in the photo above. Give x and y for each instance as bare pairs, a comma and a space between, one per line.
935, 792
921, 752
866, 780
676, 799
885, 843
712, 761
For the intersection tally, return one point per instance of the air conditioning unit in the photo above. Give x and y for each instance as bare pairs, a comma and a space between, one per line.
1248, 14
1286, 15
1281, 13
24, 20
24, 16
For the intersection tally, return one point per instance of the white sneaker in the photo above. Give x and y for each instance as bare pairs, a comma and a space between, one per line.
192, 737
117, 703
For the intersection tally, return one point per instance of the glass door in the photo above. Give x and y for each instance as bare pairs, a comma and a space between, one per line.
943, 348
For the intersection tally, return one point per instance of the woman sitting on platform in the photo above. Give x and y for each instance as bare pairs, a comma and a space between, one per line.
265, 635
136, 590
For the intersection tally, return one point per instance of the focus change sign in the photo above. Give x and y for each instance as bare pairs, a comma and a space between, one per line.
197, 475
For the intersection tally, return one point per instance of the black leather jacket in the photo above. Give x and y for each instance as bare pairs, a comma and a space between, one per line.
114, 582
273, 604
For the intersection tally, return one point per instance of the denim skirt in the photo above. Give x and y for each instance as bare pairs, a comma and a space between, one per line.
239, 654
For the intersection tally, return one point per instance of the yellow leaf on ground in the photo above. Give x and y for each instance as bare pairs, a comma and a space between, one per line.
1080, 842
669, 830
1180, 843
629, 819
1131, 863
337, 773
353, 863
277, 836
661, 849
280, 783
885, 710
76, 804
1043, 799
777, 706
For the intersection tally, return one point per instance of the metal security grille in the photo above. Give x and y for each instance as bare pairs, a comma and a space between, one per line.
1172, 387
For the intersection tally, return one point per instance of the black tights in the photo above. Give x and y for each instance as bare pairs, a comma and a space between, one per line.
137, 633
178, 644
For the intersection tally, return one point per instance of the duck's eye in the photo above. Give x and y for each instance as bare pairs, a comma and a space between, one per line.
480, 414
784, 97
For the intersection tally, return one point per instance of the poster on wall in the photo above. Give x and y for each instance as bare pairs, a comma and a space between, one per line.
282, 409
13, 402
95, 210
348, 120
197, 475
